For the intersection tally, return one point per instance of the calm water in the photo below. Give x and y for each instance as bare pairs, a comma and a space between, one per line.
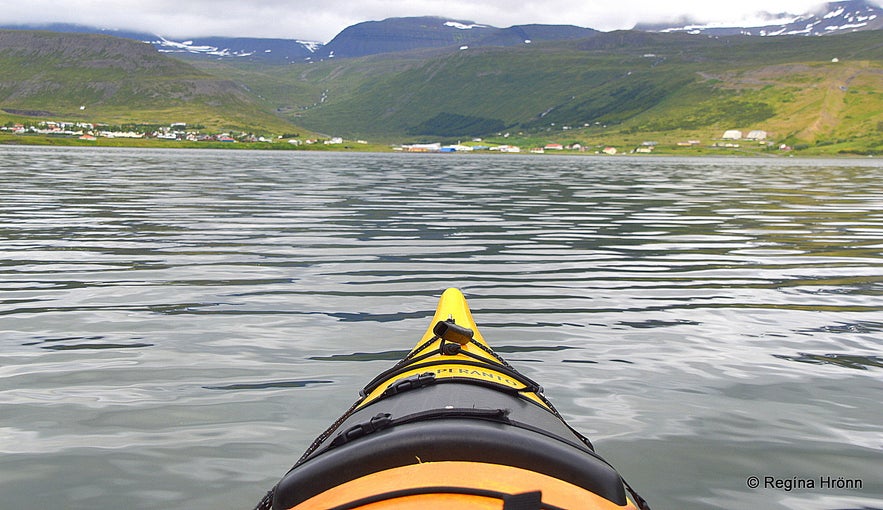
176, 326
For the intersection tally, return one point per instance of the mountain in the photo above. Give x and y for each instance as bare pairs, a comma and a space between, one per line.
624, 85
402, 34
827, 19
406, 34
111, 79
270, 51
368, 38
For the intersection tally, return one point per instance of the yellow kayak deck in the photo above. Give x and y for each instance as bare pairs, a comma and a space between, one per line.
474, 359
452, 425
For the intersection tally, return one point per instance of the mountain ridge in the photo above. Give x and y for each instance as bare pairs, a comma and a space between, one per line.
391, 35
401, 34
826, 19
405, 34
273, 51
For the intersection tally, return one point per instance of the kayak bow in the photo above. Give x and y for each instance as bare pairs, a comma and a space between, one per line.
452, 425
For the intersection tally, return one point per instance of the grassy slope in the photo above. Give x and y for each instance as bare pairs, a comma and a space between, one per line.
692, 87
303, 91
118, 81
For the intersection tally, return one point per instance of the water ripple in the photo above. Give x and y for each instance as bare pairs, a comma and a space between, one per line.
840, 360
672, 309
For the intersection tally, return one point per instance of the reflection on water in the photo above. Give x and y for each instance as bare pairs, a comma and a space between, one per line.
843, 360
364, 356
178, 325
266, 385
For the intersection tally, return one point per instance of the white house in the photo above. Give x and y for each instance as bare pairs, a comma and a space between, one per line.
732, 134
422, 147
757, 134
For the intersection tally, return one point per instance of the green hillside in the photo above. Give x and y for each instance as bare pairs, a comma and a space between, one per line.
98, 78
639, 85
816, 94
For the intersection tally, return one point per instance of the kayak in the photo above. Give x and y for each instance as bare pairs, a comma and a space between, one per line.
451, 425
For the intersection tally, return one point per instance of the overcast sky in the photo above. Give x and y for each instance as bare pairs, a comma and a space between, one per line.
321, 20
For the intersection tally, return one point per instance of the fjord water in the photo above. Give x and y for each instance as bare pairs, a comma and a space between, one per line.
177, 326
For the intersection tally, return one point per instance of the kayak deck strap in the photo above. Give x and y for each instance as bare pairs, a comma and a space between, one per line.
528, 385
414, 362
409, 383
326, 434
382, 421
523, 501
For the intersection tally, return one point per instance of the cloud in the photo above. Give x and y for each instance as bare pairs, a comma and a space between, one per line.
321, 21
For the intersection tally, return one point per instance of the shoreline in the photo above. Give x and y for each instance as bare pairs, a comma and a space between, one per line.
10, 140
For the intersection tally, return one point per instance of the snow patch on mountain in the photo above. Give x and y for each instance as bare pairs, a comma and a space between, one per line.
311, 46
463, 26
833, 17
164, 45
275, 50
